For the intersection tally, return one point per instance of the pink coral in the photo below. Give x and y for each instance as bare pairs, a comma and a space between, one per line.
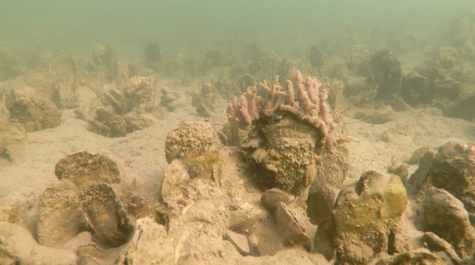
311, 107
244, 111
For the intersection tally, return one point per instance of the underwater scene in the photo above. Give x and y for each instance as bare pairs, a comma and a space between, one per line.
206, 132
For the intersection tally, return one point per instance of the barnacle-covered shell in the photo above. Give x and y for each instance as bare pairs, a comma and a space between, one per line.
191, 139
83, 169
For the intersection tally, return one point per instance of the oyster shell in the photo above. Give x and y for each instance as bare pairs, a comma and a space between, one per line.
106, 214
59, 214
84, 169
289, 225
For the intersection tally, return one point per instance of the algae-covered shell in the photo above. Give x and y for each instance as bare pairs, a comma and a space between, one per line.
84, 169
106, 214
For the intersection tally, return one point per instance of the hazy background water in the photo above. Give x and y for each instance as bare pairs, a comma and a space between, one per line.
200, 25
